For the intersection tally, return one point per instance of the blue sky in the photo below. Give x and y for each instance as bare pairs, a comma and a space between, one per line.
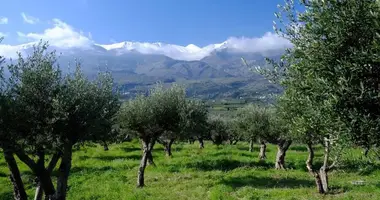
182, 22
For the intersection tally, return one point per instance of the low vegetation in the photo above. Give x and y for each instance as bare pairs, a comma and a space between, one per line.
224, 172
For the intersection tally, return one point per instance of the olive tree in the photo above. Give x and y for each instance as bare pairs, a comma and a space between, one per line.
218, 129
54, 113
193, 125
252, 122
8, 137
149, 117
330, 76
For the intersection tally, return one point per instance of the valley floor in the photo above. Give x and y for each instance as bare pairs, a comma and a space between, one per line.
224, 172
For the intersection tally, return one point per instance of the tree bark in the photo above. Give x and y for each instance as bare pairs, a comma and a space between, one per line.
105, 146
42, 174
64, 172
15, 177
168, 147
251, 145
53, 162
143, 163
201, 143
282, 147
325, 167
39, 191
321, 176
41, 164
149, 152
263, 148
366, 151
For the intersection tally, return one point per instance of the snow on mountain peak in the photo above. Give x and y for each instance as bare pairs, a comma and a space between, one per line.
190, 52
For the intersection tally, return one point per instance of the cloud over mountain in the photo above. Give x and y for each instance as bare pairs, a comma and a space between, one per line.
61, 35
65, 36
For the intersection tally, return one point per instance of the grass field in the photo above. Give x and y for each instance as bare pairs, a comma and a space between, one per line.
224, 172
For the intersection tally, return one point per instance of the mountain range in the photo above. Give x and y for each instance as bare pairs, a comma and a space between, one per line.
213, 71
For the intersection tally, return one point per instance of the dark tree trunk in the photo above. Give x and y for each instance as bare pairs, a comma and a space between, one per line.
168, 147
105, 146
282, 147
143, 163
64, 172
366, 151
235, 142
53, 162
41, 164
251, 145
40, 171
15, 177
39, 191
263, 148
201, 143
149, 152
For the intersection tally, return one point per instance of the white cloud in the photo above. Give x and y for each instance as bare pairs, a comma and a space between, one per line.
9, 51
61, 35
3, 34
268, 42
29, 19
64, 36
264, 45
3, 20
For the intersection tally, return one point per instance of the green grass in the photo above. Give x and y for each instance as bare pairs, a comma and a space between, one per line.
225, 172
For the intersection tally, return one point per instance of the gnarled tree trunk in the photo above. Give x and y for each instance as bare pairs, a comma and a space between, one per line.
251, 145
263, 148
143, 163
41, 164
40, 171
149, 153
168, 147
201, 143
64, 172
282, 147
321, 178
53, 162
15, 177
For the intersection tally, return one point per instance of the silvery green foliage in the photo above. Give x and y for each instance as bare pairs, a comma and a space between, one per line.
162, 110
329, 74
253, 121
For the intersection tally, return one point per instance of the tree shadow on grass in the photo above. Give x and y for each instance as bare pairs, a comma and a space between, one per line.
298, 148
246, 154
3, 174
130, 149
6, 195
246, 148
86, 170
111, 158
161, 148
266, 182
225, 165
362, 167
